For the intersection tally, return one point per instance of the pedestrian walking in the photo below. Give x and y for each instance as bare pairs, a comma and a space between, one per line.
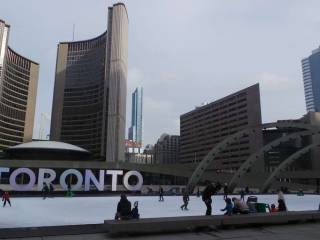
185, 198
6, 199
161, 199
207, 193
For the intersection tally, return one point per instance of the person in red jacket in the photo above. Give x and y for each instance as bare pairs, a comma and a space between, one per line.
6, 198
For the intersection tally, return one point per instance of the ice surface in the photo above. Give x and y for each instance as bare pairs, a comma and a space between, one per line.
27, 212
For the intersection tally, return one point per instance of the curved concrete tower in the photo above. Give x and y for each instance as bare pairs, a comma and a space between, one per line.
18, 90
89, 102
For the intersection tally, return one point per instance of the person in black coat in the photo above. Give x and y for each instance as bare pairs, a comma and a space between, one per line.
135, 211
123, 208
207, 193
185, 198
161, 199
282, 205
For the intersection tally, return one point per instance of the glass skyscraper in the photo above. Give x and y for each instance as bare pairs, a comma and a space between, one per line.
135, 131
311, 80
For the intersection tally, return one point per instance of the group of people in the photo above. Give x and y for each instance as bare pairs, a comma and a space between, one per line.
124, 211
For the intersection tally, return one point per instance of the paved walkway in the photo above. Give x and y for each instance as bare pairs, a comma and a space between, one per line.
308, 231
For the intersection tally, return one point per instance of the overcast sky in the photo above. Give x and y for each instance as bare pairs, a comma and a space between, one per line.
183, 52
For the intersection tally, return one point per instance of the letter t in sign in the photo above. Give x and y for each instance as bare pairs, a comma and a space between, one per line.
114, 180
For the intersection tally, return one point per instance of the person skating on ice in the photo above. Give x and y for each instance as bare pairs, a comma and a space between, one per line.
45, 191
6, 199
207, 193
161, 199
185, 198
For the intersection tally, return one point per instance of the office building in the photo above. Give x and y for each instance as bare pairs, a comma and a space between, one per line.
18, 91
135, 131
89, 102
204, 127
166, 150
311, 80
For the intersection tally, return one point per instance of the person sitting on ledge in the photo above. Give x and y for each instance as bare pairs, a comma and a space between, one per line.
239, 206
273, 208
135, 211
123, 208
282, 205
229, 207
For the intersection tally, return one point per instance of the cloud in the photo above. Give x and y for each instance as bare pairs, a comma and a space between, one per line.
274, 82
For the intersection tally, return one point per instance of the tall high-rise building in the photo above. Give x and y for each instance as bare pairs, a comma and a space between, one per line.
167, 149
135, 131
204, 127
18, 91
311, 80
89, 102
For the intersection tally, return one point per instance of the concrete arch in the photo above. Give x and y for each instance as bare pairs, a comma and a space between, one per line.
209, 158
266, 185
253, 158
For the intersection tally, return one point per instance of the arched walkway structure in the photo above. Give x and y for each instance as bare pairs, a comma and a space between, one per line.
209, 158
266, 185
257, 156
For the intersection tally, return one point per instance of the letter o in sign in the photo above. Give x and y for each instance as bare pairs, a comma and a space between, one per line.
78, 175
136, 187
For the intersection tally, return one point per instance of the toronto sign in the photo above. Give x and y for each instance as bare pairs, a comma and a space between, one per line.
47, 176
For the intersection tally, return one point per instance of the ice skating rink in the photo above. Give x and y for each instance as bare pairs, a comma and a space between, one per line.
31, 212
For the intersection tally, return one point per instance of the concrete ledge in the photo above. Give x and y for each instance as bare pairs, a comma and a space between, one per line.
181, 224
164, 225
51, 231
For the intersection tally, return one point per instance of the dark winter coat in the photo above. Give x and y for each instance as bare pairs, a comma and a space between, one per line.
124, 207
225, 189
208, 192
185, 197
135, 213
282, 206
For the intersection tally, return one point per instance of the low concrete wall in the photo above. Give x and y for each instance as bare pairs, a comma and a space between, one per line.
181, 224
164, 225
6, 233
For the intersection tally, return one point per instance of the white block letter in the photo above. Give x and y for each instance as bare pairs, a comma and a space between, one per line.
90, 176
42, 179
114, 181
22, 187
76, 186
138, 185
